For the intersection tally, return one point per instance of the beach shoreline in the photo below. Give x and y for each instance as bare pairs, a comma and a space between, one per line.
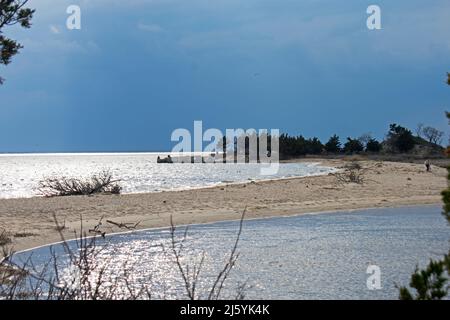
30, 222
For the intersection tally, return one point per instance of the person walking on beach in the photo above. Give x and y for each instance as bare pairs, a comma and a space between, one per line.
428, 165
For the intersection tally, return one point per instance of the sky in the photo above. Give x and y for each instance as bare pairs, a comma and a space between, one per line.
139, 69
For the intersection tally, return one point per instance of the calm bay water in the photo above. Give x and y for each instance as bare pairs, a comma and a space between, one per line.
138, 172
318, 256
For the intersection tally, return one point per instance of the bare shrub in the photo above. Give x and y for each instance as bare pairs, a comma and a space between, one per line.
85, 273
9, 275
351, 173
191, 275
354, 172
354, 165
4, 238
101, 183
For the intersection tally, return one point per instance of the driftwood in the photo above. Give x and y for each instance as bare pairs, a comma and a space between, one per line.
126, 225
97, 230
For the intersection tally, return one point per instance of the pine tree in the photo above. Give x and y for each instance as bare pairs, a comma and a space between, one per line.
432, 283
353, 146
12, 12
373, 145
333, 145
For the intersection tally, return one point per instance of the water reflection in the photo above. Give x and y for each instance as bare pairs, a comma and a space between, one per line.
137, 172
322, 256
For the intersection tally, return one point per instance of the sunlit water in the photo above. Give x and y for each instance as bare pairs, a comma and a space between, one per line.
318, 256
138, 172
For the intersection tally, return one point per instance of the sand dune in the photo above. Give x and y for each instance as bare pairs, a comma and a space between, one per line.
387, 184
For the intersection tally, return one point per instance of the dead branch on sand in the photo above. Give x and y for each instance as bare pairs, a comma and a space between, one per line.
126, 225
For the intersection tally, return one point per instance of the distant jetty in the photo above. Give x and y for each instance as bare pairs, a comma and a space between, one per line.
211, 158
167, 159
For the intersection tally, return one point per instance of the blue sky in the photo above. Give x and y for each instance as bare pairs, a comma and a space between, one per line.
139, 69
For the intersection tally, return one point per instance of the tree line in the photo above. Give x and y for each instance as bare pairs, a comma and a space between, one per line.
399, 139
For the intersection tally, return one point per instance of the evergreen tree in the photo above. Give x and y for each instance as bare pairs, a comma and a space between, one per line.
353, 146
373, 145
314, 146
432, 283
12, 12
400, 138
333, 145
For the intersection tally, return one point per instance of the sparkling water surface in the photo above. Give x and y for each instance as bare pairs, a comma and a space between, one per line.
317, 256
138, 172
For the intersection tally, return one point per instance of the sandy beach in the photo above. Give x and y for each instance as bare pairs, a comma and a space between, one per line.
30, 222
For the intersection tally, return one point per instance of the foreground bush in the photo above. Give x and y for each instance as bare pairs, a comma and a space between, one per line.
352, 172
4, 238
433, 282
87, 273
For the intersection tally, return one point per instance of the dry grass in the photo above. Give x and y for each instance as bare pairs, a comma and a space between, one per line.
90, 276
191, 275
